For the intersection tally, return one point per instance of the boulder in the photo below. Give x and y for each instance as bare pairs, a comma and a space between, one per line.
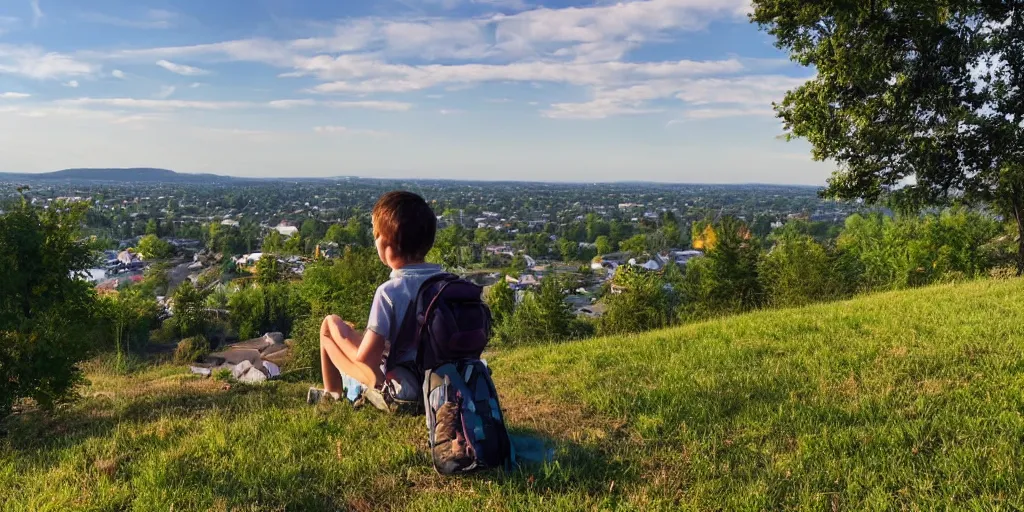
255, 343
237, 355
253, 376
279, 357
241, 369
274, 337
272, 348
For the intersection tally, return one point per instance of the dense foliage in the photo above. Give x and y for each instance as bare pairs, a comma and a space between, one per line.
921, 101
47, 314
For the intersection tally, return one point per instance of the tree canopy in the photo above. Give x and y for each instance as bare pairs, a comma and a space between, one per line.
915, 100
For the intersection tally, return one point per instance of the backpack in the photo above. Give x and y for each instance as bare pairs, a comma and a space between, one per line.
442, 336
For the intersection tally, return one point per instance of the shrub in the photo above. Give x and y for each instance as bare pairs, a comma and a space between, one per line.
190, 315
644, 303
191, 349
798, 271
725, 280
151, 247
47, 314
265, 308
541, 316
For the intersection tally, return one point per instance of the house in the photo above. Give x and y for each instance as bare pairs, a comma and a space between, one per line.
248, 259
229, 222
286, 230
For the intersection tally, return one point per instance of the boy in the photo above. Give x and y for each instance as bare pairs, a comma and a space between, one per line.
404, 228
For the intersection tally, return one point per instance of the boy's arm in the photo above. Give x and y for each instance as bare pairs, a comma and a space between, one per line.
371, 353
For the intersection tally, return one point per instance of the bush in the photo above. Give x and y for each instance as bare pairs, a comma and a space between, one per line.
166, 333
798, 271
541, 316
643, 305
151, 247
47, 314
191, 349
725, 280
265, 308
190, 315
501, 300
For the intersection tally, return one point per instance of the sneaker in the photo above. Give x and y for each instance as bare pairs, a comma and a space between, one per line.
376, 398
315, 396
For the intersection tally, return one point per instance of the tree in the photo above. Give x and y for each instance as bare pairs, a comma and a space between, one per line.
635, 245
47, 308
920, 102
569, 249
798, 271
643, 305
268, 270
725, 280
604, 245
502, 301
273, 242
152, 228
151, 247
189, 310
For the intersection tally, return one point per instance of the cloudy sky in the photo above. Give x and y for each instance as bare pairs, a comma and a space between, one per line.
660, 90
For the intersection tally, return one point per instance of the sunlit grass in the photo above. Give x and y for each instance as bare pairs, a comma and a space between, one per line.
900, 400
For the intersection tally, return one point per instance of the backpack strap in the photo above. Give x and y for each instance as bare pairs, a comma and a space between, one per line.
448, 279
410, 333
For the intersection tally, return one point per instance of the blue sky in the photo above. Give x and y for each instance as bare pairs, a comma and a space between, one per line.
660, 90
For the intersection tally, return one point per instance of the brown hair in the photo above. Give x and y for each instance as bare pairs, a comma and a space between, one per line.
406, 223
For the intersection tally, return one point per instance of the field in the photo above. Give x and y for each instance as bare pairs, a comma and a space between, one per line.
902, 400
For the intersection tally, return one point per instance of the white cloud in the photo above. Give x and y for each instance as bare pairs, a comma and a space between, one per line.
345, 130
14, 95
181, 69
117, 73
165, 92
161, 103
723, 97
395, 106
37, 13
364, 75
723, 112
155, 104
33, 62
598, 109
152, 19
194, 85
72, 84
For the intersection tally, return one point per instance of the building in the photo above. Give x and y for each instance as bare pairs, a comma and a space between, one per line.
286, 230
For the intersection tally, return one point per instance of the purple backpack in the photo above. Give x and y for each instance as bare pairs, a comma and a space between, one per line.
442, 336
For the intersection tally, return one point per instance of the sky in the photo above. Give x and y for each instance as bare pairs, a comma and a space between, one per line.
653, 90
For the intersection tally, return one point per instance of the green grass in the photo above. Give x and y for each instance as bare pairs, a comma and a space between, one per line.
905, 400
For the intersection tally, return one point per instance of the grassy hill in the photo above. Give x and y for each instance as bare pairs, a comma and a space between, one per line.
900, 400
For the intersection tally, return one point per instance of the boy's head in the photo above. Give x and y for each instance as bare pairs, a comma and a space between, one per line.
404, 224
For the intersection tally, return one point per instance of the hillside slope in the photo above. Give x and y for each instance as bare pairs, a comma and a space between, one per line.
900, 400
119, 175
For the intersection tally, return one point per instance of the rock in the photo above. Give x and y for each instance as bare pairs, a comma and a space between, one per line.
255, 344
237, 355
205, 372
241, 369
270, 349
279, 357
274, 337
253, 376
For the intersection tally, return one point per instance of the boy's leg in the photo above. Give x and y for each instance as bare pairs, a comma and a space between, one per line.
335, 348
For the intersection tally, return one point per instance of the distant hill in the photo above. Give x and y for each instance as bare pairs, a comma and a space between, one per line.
138, 175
